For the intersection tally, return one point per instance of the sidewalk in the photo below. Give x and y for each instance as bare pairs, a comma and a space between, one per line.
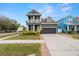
2, 41
44, 49
20, 41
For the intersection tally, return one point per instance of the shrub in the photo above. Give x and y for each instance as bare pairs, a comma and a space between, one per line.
72, 32
69, 32
30, 33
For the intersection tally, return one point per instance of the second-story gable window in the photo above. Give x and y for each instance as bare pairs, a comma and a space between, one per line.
33, 12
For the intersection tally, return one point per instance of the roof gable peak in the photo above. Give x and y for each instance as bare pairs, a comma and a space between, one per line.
33, 12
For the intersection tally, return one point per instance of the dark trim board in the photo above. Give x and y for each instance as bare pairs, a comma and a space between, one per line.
48, 30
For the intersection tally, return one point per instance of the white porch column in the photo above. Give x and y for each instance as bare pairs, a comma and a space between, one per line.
75, 28
40, 24
27, 28
40, 18
67, 27
33, 18
33, 27
40, 27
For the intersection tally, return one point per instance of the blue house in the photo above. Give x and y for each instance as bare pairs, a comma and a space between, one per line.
68, 23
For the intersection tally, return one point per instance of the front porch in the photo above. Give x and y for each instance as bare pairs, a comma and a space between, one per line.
33, 27
72, 28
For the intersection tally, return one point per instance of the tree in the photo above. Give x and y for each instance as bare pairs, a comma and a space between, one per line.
7, 24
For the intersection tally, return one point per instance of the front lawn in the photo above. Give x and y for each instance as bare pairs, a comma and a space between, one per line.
19, 49
4, 36
25, 37
7, 34
75, 36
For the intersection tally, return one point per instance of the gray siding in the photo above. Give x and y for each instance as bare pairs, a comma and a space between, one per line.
48, 25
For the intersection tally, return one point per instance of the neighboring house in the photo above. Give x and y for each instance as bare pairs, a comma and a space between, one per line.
20, 28
36, 23
68, 23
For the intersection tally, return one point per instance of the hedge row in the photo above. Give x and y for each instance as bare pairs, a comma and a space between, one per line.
29, 33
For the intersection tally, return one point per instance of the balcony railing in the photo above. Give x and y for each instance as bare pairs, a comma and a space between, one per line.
34, 21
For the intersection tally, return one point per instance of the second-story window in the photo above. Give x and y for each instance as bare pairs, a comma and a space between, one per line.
30, 17
37, 17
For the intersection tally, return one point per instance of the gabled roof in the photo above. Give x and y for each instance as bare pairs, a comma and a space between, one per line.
77, 18
69, 16
47, 20
33, 12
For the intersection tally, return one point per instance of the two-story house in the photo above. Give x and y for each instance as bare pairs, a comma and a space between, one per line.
37, 23
68, 23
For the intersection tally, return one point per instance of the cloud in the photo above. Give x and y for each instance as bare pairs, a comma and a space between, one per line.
8, 14
46, 10
5, 13
64, 4
65, 7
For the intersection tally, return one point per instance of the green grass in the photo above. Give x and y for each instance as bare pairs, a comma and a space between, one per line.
19, 49
2, 36
75, 36
25, 37
7, 35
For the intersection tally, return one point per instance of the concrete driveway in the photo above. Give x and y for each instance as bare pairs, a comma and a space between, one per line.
61, 45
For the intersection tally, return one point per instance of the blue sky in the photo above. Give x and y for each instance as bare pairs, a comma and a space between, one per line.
57, 11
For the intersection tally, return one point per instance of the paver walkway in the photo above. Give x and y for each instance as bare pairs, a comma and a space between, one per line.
60, 45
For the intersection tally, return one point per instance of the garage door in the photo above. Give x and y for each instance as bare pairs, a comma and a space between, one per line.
49, 30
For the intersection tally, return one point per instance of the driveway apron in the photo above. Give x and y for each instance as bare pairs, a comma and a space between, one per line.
59, 45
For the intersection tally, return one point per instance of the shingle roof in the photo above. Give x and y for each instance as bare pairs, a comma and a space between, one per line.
47, 20
33, 12
77, 18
